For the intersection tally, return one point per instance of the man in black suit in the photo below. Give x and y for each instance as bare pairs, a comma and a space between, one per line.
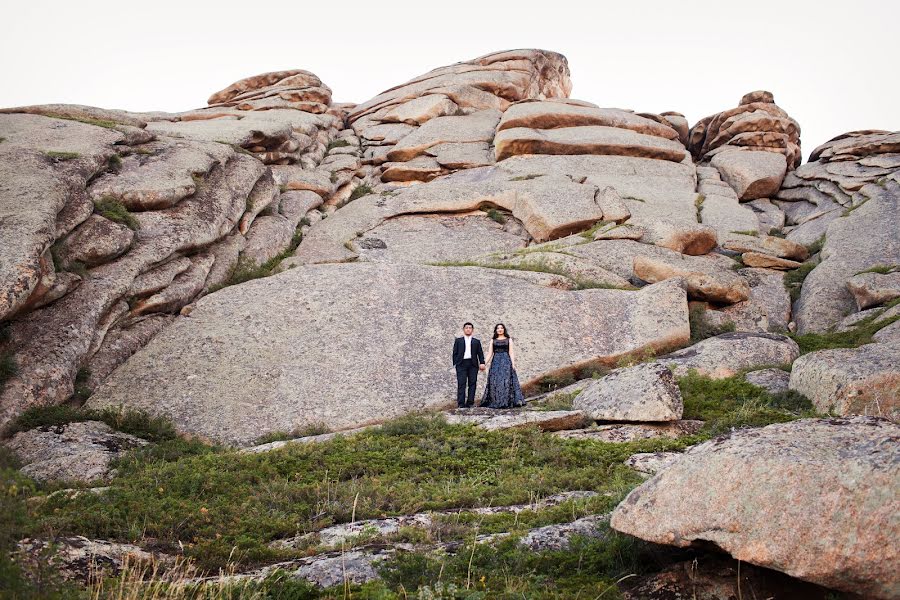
468, 358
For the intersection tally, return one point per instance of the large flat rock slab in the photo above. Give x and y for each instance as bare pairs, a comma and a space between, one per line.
830, 483
586, 139
348, 345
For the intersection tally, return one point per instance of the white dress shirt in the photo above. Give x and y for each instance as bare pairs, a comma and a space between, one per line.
468, 353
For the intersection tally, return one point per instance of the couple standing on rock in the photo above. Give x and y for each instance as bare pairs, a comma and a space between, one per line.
502, 390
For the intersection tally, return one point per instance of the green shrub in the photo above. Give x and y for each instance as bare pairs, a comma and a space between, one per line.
861, 334
526, 177
496, 215
359, 192
816, 246
339, 143
793, 280
154, 429
114, 210
114, 163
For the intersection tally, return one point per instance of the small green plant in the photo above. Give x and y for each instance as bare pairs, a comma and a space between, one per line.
62, 156
304, 222
339, 143
588, 234
793, 280
698, 204
526, 177
246, 270
8, 367
333, 178
702, 328
882, 269
359, 192
114, 210
2, 139
496, 215
752, 232
105, 123
114, 163
816, 246
777, 232
138, 423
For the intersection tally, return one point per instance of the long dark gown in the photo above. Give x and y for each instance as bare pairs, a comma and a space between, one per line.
502, 389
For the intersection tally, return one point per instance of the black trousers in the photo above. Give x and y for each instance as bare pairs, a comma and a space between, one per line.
466, 378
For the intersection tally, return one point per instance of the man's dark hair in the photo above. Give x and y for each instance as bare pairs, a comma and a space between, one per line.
467, 324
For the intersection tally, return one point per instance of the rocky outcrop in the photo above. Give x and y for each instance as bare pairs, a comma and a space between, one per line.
839, 473
852, 381
727, 354
757, 124
645, 392
629, 432
80, 451
262, 379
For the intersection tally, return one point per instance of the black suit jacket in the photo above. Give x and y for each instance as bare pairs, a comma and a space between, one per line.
459, 350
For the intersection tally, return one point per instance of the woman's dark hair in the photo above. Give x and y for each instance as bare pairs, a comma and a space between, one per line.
505, 331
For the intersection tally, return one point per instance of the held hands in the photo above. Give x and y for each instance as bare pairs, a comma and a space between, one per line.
481, 367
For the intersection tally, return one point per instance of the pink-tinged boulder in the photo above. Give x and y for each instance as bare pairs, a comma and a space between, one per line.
815, 498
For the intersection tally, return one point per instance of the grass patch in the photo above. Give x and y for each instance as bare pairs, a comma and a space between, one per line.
246, 270
793, 280
752, 232
537, 265
341, 143
105, 123
211, 501
114, 210
561, 401
496, 216
62, 156
816, 246
701, 328
861, 334
698, 204
307, 431
881, 269
526, 177
733, 402
359, 192
154, 429
777, 232
589, 233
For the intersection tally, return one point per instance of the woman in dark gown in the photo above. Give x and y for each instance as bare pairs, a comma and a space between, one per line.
502, 390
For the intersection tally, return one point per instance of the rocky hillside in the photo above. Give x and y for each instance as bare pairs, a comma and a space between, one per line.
277, 262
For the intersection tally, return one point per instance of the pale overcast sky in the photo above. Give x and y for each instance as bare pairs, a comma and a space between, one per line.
831, 65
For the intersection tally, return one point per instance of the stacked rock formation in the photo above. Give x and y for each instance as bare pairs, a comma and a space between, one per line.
114, 221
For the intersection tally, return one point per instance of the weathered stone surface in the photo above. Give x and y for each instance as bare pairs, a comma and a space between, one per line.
591, 139
419, 110
288, 78
651, 463
492, 420
81, 559
258, 389
557, 114
35, 188
847, 469
756, 124
866, 238
891, 333
476, 127
184, 288
767, 244
160, 174
774, 381
727, 216
548, 207
558, 537
96, 241
420, 168
72, 452
726, 354
766, 261
580, 272
629, 432
873, 289
437, 238
619, 232
612, 206
494, 79
752, 175
707, 277
646, 392
292, 177
52, 342
159, 276
767, 309
120, 343
269, 237
864, 380
462, 155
